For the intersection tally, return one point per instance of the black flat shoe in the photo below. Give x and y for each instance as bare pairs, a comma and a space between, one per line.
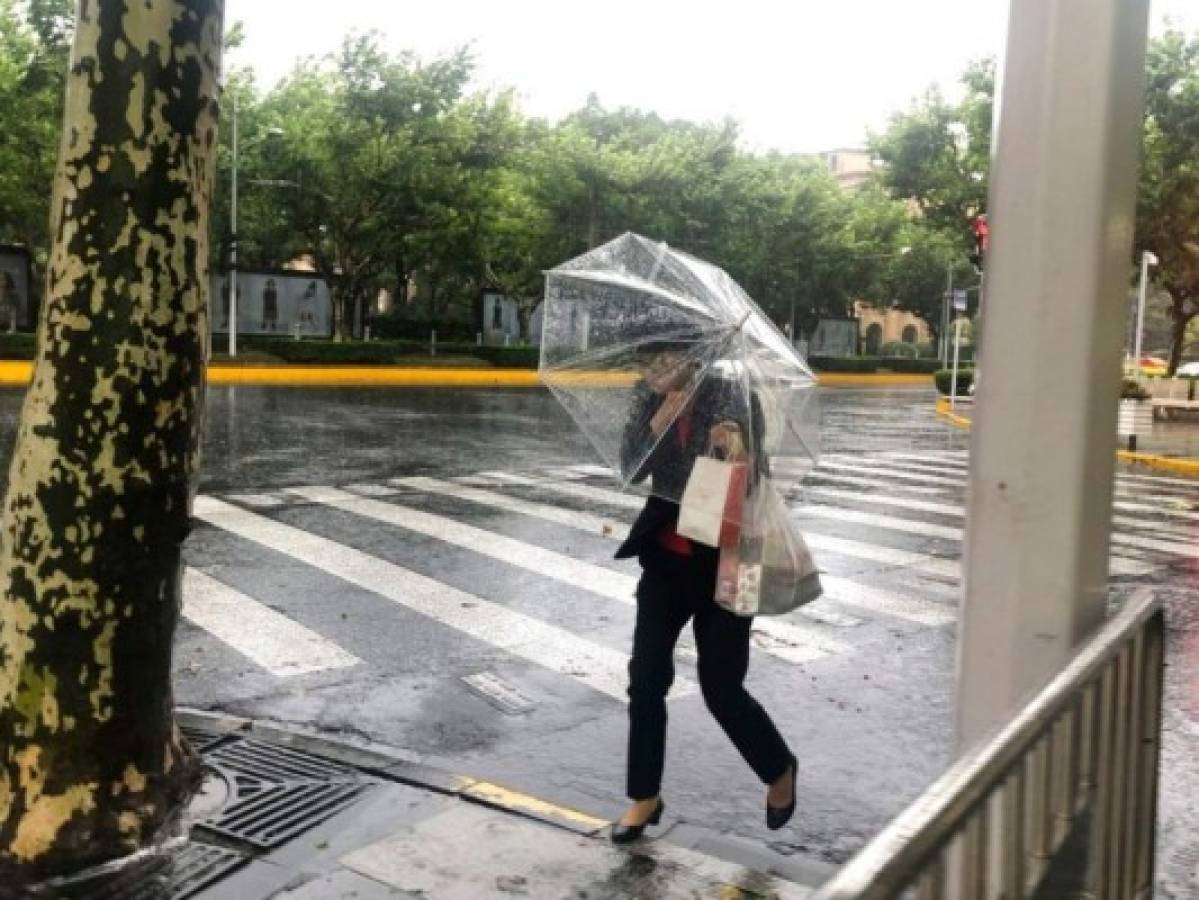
626, 834
777, 817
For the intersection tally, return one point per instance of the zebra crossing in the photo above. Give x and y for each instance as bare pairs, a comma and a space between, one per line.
885, 527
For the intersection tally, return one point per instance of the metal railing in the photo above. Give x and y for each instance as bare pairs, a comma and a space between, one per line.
1060, 802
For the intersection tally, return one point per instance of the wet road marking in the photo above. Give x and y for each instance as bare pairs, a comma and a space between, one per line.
490, 623
792, 642
269, 639
1119, 565
585, 522
884, 469
1128, 484
823, 477
920, 562
499, 693
258, 501
837, 590
900, 606
576, 519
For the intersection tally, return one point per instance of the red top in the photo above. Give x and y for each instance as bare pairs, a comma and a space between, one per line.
668, 537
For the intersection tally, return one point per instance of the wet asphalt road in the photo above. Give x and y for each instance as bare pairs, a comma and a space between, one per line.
865, 697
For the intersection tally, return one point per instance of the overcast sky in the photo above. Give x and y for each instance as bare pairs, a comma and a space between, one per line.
798, 75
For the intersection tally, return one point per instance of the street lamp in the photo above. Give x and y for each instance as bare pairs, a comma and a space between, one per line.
271, 132
1147, 259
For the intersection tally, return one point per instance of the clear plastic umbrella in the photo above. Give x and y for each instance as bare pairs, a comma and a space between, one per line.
663, 360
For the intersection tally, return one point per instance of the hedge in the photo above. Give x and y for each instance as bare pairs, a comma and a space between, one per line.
844, 363
944, 379
911, 366
19, 345
510, 357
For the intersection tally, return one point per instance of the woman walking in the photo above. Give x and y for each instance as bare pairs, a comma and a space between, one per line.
678, 584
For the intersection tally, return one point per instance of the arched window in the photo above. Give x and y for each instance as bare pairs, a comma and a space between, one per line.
874, 339
910, 334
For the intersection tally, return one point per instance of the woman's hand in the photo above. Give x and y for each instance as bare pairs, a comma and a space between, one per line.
671, 406
726, 442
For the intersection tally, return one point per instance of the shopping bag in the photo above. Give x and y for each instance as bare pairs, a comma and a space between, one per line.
711, 507
769, 569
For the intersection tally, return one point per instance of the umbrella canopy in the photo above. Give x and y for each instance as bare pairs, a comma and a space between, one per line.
661, 358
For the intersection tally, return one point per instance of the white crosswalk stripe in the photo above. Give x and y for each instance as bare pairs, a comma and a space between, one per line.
1119, 565
268, 638
873, 577
922, 563
787, 640
583, 522
544, 645
1127, 483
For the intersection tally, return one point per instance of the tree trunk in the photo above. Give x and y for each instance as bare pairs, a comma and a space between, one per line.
91, 764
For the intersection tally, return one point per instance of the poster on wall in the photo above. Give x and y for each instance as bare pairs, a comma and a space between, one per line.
14, 289
274, 304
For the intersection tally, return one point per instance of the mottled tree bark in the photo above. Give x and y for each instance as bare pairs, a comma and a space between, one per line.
91, 763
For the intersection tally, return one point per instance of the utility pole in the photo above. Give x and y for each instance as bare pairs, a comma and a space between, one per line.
233, 243
945, 317
1063, 191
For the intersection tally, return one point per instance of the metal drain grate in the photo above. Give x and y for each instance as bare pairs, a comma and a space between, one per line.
278, 813
276, 764
184, 874
277, 793
201, 740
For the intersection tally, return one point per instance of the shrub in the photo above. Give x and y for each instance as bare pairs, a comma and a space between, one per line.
333, 352
1132, 390
843, 363
911, 366
899, 349
509, 357
944, 380
19, 345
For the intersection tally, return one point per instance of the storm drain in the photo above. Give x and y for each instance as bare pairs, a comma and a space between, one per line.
184, 874
276, 794
201, 740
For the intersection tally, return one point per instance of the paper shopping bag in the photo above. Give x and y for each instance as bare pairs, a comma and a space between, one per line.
710, 509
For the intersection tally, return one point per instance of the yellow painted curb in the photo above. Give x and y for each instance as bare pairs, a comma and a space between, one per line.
367, 376
945, 411
18, 373
1176, 464
871, 379
498, 795
1180, 465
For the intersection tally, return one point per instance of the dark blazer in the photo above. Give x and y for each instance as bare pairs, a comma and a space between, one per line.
669, 464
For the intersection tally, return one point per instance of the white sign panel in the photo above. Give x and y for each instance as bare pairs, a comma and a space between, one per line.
273, 304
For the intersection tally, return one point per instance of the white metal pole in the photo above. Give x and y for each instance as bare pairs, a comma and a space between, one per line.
957, 350
945, 317
1136, 347
233, 244
1063, 186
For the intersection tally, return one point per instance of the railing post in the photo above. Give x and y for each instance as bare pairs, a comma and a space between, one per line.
1062, 213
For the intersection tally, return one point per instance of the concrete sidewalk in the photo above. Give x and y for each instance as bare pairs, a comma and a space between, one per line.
296, 816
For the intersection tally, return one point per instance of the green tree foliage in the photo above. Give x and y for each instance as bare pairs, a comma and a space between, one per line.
1168, 202
34, 46
937, 154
